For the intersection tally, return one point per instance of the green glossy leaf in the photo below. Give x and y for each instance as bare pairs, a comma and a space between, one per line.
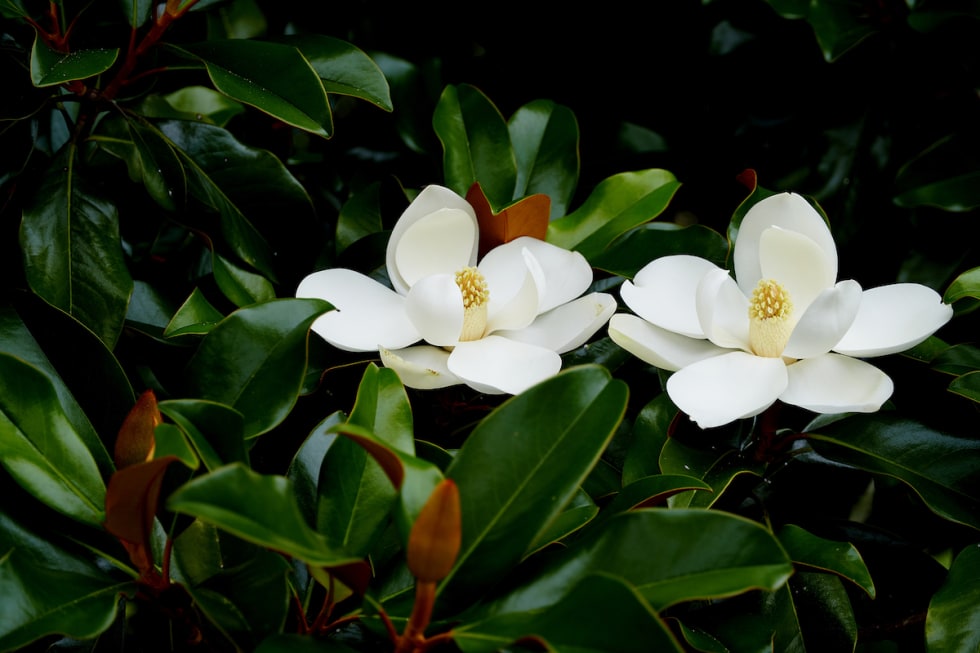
255, 360
51, 68
967, 385
616, 205
40, 449
966, 285
17, 341
244, 185
945, 176
195, 316
670, 556
546, 143
72, 253
343, 68
137, 11
647, 492
271, 77
627, 254
199, 103
650, 432
840, 558
476, 145
953, 619
958, 359
518, 454
579, 512
718, 467
258, 508
600, 614
360, 216
48, 589
942, 469
304, 468
241, 287
215, 430
811, 613
158, 165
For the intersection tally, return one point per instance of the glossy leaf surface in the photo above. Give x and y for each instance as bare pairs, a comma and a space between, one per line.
953, 620
50, 68
545, 137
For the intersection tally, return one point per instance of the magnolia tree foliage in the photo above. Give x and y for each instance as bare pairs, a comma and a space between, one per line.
305, 347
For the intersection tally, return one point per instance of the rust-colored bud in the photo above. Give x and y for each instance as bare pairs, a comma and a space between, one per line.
136, 442
434, 541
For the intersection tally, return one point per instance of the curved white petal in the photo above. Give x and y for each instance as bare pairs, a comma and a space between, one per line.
665, 349
836, 384
723, 310
894, 318
368, 314
423, 367
826, 321
567, 274
515, 288
568, 326
496, 365
435, 306
722, 389
787, 211
663, 292
437, 233
798, 263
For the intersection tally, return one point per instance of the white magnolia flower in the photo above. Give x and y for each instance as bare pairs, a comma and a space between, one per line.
781, 329
498, 325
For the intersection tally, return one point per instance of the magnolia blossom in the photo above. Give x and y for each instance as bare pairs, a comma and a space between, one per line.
782, 329
498, 325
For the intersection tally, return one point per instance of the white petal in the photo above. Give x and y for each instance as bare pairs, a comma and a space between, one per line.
568, 326
725, 388
663, 292
894, 318
665, 349
825, 322
437, 233
421, 367
567, 274
435, 306
837, 384
515, 281
496, 365
368, 314
797, 263
787, 211
723, 310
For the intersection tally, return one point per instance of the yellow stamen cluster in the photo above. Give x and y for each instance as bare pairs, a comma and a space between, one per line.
473, 287
769, 319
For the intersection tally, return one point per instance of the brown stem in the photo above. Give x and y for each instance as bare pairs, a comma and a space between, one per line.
413, 637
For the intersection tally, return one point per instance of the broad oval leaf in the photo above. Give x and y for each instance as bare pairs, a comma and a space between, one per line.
255, 360
616, 205
945, 176
841, 558
953, 619
215, 430
271, 77
40, 448
718, 467
51, 68
521, 465
545, 138
48, 590
942, 469
241, 287
343, 68
966, 285
195, 316
637, 247
259, 508
967, 385
476, 144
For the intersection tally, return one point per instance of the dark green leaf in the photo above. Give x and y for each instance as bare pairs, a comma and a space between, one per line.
272, 77
648, 492
841, 558
546, 141
650, 429
258, 508
195, 316
953, 620
360, 216
942, 469
476, 145
304, 468
600, 614
72, 252
967, 385
40, 448
343, 68
946, 176
626, 255
241, 287
618, 204
198, 103
521, 466
51, 68
579, 512
718, 467
255, 360
214, 430
966, 285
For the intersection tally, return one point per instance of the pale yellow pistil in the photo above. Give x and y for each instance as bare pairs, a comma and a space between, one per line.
473, 287
769, 319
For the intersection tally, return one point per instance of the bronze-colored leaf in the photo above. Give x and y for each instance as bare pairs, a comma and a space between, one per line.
435, 539
526, 217
135, 442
